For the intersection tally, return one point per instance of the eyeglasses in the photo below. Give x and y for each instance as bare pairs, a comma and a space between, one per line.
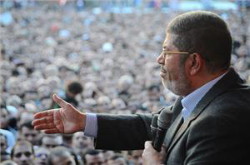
39, 155
31, 134
27, 154
166, 53
50, 145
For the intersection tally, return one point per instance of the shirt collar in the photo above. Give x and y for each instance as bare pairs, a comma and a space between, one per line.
190, 101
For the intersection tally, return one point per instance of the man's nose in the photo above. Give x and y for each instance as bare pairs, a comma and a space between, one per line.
160, 59
44, 156
23, 157
30, 138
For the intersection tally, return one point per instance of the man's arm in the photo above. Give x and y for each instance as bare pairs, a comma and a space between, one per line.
123, 132
117, 132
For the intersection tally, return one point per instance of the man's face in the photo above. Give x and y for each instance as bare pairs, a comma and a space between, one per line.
65, 160
29, 134
137, 157
94, 159
41, 155
45, 103
51, 142
23, 155
118, 161
173, 74
154, 94
80, 141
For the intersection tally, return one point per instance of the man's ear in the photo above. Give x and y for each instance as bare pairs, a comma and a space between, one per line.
195, 63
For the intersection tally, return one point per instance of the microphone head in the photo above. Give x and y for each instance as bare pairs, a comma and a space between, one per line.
164, 118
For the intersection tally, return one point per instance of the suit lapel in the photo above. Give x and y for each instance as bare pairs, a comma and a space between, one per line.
177, 119
176, 131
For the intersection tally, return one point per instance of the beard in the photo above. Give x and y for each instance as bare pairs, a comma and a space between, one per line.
180, 85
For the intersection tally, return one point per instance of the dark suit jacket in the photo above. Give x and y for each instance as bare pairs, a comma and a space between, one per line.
216, 133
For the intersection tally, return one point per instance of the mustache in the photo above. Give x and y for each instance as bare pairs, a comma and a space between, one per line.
163, 70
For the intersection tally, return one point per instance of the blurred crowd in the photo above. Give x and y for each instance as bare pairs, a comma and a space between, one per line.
100, 62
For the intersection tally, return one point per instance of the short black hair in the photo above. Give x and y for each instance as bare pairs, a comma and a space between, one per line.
92, 152
75, 87
21, 142
27, 124
205, 33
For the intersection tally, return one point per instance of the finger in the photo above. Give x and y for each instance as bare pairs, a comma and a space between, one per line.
43, 114
163, 150
42, 121
147, 144
38, 122
50, 131
60, 101
44, 126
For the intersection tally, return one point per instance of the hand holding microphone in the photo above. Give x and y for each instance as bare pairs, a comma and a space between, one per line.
159, 130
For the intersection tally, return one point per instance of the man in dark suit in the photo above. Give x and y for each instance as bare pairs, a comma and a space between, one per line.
210, 123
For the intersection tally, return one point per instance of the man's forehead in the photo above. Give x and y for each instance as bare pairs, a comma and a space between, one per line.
168, 42
22, 148
52, 140
26, 129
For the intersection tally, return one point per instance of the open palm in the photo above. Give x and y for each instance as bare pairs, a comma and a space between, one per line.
66, 119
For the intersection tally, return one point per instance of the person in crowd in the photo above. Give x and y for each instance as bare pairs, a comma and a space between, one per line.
103, 104
93, 157
8, 162
107, 154
61, 155
5, 120
153, 92
135, 157
209, 117
23, 153
67, 140
117, 159
72, 90
51, 141
3, 148
41, 156
124, 85
25, 116
10, 139
27, 132
81, 143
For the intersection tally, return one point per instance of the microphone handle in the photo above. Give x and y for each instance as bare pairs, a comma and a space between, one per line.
159, 138
153, 131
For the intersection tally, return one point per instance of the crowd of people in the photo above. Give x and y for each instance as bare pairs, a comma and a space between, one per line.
97, 61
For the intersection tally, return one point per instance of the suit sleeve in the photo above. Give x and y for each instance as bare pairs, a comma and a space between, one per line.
123, 132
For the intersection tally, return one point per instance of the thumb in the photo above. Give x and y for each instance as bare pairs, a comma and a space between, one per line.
60, 101
147, 144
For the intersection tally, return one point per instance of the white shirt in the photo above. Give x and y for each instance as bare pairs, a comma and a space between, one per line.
190, 101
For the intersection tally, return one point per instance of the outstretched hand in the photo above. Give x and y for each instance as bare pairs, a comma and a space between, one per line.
66, 119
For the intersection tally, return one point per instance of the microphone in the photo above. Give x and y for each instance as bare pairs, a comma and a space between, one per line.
154, 126
163, 123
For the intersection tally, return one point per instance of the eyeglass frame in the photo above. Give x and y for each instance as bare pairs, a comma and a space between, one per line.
19, 154
164, 52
